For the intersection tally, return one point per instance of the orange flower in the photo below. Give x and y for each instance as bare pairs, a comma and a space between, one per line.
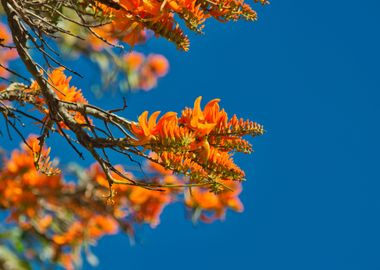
158, 64
22, 185
97, 174
143, 205
60, 84
223, 163
5, 36
134, 16
184, 164
134, 60
145, 129
200, 143
100, 225
143, 73
147, 205
196, 120
155, 167
168, 126
72, 235
147, 79
215, 204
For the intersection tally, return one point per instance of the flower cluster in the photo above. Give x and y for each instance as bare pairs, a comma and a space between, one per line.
60, 84
131, 19
21, 183
64, 217
203, 204
141, 204
48, 207
199, 143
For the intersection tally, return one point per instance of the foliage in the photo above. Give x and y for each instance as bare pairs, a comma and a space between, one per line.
55, 214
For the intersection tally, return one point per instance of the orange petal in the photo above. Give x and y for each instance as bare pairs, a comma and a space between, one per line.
153, 119
204, 129
211, 110
135, 129
211, 103
143, 121
166, 117
197, 112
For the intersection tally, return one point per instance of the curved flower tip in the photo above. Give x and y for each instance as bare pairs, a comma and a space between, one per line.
198, 120
197, 111
144, 130
211, 110
167, 117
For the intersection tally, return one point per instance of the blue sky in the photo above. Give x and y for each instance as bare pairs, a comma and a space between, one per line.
309, 72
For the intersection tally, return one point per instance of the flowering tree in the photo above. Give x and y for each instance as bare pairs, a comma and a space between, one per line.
187, 157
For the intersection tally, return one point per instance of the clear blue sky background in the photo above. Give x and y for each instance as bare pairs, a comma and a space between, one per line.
309, 71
